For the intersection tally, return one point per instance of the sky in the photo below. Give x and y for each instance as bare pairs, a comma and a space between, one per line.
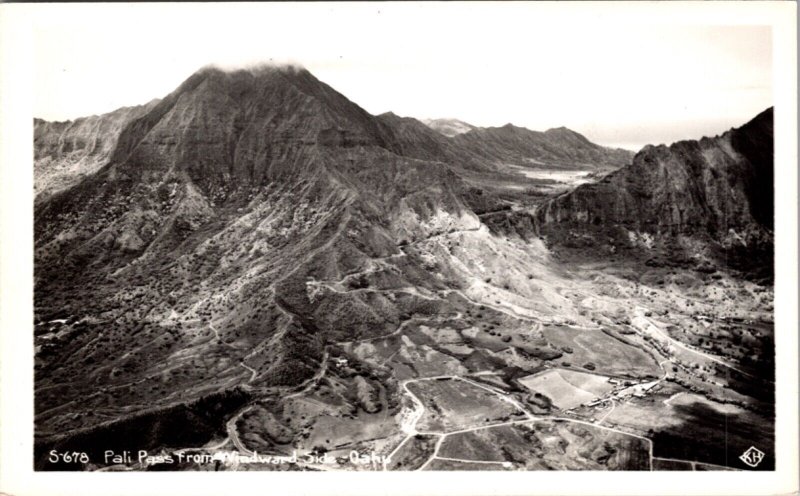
623, 75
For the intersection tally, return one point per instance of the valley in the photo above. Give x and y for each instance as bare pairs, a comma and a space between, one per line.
292, 277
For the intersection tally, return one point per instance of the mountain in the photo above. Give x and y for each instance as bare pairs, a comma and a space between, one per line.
561, 148
448, 127
417, 140
64, 152
246, 184
196, 239
718, 189
256, 263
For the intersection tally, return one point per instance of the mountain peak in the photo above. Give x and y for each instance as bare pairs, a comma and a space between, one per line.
565, 133
220, 124
256, 69
562, 131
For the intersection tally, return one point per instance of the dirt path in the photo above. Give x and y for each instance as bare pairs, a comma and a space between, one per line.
613, 405
462, 460
233, 435
219, 338
385, 336
230, 426
253, 371
310, 383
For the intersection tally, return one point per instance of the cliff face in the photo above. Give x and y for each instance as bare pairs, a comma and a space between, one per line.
713, 185
65, 152
719, 188
222, 137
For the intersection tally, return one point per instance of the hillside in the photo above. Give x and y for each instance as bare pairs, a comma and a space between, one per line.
416, 140
256, 263
554, 148
715, 189
215, 208
65, 152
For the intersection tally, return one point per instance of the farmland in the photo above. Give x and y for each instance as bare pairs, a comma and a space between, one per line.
603, 353
550, 445
567, 388
452, 405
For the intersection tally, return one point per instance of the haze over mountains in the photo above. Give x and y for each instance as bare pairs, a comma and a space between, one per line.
201, 256
448, 127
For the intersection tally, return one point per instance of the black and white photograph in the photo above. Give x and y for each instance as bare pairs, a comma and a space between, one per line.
403, 237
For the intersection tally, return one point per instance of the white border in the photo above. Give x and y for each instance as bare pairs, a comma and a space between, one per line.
16, 365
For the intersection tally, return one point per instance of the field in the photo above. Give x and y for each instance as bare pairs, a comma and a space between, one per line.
608, 355
567, 388
688, 426
550, 445
440, 464
413, 453
453, 404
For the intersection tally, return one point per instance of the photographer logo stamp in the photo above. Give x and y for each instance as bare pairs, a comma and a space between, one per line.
752, 457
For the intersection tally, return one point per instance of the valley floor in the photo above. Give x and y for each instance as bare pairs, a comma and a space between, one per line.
533, 366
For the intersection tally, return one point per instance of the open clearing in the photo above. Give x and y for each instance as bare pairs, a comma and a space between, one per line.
440, 464
405, 356
413, 454
550, 445
610, 356
567, 388
688, 426
453, 404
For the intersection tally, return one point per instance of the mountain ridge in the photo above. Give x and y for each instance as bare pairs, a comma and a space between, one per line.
718, 188
67, 150
559, 148
256, 237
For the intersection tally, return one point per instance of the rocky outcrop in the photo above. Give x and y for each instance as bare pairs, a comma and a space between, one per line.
228, 129
711, 185
717, 188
